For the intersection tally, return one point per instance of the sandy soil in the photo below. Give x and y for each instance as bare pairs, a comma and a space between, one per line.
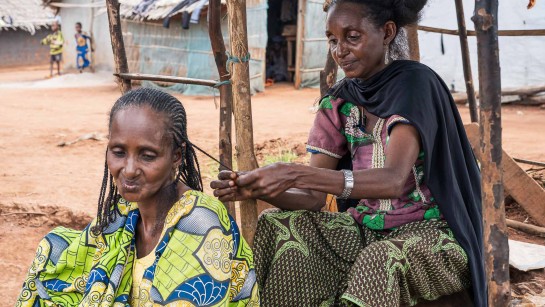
59, 185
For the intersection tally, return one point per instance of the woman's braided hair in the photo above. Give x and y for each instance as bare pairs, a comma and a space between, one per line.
176, 124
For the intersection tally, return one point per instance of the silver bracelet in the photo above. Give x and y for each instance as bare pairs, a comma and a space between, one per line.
348, 184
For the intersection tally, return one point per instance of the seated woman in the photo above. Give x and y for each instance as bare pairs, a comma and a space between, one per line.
157, 238
389, 138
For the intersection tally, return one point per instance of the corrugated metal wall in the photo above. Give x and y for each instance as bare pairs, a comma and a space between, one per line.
153, 49
20, 48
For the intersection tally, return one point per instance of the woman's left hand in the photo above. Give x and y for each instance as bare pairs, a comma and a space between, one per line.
269, 181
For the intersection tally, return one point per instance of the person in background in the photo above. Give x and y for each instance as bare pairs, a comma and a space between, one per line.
82, 48
55, 41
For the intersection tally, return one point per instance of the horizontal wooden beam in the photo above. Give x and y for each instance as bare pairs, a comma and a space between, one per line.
527, 228
533, 32
529, 162
170, 79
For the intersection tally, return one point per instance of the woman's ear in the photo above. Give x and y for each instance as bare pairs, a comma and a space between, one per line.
177, 156
390, 31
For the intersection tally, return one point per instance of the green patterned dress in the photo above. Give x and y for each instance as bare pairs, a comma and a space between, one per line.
382, 253
201, 260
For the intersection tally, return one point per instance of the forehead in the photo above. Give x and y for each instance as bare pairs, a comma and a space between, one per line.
347, 15
139, 124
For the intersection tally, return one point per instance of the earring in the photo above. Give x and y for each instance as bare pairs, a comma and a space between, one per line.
387, 55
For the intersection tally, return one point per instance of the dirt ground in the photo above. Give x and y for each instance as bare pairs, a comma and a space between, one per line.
43, 185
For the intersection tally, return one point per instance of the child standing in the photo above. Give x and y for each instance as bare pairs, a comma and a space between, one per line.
55, 41
82, 48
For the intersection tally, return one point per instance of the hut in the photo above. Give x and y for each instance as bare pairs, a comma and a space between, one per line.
92, 15
170, 37
23, 24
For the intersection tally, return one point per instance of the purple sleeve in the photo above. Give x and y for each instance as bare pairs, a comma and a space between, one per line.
326, 135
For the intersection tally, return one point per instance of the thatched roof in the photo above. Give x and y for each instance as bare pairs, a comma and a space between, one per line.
27, 15
155, 9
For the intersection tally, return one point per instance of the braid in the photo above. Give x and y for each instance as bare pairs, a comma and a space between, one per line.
188, 172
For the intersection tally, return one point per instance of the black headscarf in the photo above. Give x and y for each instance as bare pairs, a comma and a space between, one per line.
414, 91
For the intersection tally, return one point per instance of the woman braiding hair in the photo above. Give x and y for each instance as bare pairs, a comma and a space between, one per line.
389, 142
157, 239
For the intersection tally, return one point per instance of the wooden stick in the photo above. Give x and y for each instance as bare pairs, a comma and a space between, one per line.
240, 77
496, 248
530, 162
171, 79
414, 46
468, 76
524, 91
118, 47
527, 228
226, 90
536, 32
328, 76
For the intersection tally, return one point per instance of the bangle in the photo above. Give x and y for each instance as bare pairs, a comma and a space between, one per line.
348, 184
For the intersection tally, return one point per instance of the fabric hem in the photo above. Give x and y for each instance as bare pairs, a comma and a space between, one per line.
323, 151
355, 300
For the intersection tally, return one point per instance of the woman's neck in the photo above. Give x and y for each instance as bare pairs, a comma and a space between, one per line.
153, 213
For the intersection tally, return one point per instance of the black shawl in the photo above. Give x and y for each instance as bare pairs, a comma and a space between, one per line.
414, 91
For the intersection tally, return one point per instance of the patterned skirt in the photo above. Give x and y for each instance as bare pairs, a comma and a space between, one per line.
308, 258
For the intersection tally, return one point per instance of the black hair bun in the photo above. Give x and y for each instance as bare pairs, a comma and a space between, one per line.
407, 12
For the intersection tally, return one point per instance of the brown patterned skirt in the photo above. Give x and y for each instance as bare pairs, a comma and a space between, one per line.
308, 258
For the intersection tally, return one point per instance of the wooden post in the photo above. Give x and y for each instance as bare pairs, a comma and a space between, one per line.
240, 78
328, 76
299, 45
414, 46
226, 91
496, 248
92, 44
118, 47
468, 76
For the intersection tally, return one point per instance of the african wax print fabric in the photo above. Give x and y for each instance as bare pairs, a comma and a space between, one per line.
306, 258
201, 260
338, 131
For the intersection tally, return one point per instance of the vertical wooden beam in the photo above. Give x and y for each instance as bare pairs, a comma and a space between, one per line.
240, 77
414, 46
468, 76
226, 90
496, 248
328, 76
118, 47
299, 45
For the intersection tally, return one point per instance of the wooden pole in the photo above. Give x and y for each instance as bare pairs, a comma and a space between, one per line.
412, 39
118, 47
170, 79
468, 76
92, 43
299, 45
533, 32
496, 248
328, 76
240, 78
226, 90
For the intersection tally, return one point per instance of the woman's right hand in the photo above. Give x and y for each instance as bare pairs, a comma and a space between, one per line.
225, 188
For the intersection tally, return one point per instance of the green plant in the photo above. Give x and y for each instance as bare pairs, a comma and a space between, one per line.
283, 155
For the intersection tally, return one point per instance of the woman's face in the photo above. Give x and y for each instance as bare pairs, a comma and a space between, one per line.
356, 44
140, 155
